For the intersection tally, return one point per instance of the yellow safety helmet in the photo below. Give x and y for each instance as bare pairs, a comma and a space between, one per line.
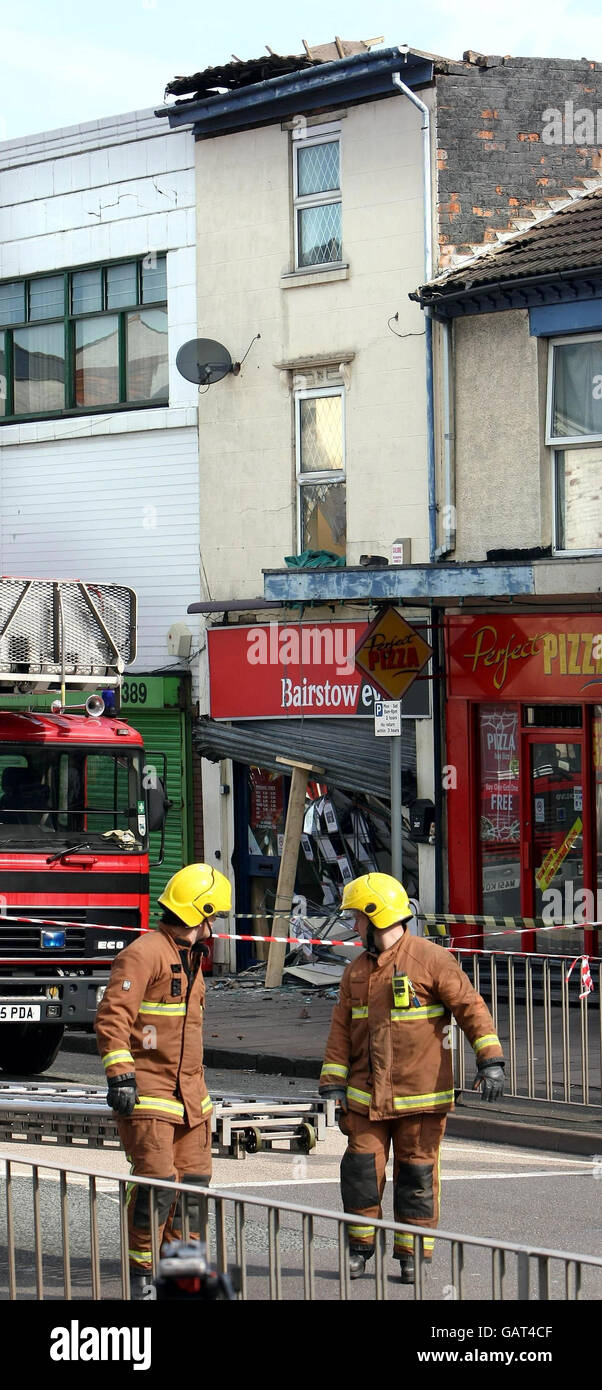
197, 892
380, 897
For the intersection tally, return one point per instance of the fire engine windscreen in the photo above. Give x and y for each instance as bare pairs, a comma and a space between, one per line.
52, 798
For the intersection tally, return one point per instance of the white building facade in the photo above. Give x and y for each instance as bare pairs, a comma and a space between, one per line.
311, 235
98, 432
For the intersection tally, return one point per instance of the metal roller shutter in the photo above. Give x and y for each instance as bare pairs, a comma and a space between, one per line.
352, 758
163, 732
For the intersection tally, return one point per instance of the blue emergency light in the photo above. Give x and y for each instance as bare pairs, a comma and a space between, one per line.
53, 940
109, 699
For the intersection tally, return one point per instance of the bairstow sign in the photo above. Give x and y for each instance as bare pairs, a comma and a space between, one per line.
275, 670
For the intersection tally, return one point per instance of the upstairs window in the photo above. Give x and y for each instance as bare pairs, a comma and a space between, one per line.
84, 340
574, 430
320, 434
317, 188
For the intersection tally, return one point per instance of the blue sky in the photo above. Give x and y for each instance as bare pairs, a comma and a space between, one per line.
71, 61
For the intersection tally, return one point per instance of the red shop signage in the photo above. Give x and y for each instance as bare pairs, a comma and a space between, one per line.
525, 658
276, 670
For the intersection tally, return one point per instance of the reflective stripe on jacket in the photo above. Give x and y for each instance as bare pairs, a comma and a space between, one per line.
142, 1027
395, 1060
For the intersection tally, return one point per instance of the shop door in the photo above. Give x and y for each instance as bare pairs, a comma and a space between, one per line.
555, 835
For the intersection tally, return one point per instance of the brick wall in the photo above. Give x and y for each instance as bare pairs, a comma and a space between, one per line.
494, 165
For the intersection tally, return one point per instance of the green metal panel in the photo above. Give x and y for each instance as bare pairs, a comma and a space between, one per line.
162, 731
153, 706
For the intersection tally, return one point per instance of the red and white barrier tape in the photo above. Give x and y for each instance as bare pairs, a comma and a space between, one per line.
314, 941
308, 941
587, 983
586, 979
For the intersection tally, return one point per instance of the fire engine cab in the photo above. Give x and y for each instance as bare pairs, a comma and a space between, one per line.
77, 802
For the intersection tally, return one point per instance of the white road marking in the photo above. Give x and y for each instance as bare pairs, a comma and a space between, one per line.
283, 1182
453, 1177
449, 1148
488, 1177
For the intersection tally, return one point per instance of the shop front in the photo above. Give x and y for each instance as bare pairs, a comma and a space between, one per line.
293, 691
523, 773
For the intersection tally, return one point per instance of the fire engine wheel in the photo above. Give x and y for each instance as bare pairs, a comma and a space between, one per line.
253, 1140
29, 1048
307, 1137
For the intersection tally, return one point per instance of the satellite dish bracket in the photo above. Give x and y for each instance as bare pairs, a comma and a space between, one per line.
203, 361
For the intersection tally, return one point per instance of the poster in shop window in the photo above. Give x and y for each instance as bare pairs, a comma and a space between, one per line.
500, 808
266, 812
500, 815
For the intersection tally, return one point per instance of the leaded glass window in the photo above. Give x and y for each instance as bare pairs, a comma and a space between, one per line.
320, 434
318, 167
318, 235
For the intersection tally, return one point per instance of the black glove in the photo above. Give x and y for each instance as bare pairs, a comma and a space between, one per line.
122, 1094
490, 1077
338, 1094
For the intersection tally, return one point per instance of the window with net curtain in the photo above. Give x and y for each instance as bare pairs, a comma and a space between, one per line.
321, 470
318, 202
575, 427
83, 338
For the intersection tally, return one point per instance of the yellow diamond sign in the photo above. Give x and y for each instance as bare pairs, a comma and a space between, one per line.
391, 654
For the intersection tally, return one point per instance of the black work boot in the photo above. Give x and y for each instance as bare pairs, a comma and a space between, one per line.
357, 1264
141, 1286
406, 1268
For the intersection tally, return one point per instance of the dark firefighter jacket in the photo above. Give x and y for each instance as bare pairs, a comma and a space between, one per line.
150, 1022
397, 1061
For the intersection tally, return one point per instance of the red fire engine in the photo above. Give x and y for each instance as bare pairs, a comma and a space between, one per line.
77, 801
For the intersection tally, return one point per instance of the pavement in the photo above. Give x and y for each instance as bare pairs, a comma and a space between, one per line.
283, 1031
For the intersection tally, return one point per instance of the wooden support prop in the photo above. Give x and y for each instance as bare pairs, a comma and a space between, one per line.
288, 865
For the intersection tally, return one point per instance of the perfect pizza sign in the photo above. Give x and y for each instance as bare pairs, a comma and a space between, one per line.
526, 657
277, 670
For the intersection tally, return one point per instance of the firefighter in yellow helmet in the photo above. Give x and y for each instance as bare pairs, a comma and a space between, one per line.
388, 1065
149, 1029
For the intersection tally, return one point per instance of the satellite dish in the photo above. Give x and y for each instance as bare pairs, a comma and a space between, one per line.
203, 361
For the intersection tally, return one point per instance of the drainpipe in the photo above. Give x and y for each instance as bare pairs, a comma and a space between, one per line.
432, 497
449, 512
428, 269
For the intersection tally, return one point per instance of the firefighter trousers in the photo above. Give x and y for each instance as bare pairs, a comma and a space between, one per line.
161, 1149
416, 1141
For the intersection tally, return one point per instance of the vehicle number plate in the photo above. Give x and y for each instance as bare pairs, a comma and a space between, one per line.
19, 1013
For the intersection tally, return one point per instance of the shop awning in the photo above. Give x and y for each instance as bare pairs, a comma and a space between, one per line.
347, 750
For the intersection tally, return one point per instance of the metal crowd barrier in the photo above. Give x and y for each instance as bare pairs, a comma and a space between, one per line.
276, 1251
552, 1039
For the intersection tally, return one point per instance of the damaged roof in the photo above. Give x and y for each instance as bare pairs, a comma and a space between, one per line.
566, 241
246, 72
275, 88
